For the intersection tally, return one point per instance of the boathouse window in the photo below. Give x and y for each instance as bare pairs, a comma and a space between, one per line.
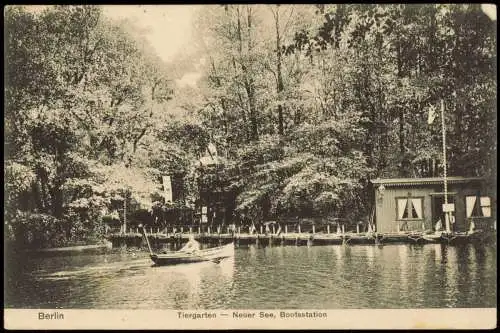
409, 208
478, 206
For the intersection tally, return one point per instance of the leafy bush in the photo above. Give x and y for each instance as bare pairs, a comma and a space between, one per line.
84, 219
18, 179
32, 230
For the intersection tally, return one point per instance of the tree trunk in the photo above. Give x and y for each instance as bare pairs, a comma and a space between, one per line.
248, 80
280, 86
57, 201
38, 201
250, 86
43, 194
125, 213
401, 134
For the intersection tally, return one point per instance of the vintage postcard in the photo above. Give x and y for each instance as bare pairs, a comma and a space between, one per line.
250, 166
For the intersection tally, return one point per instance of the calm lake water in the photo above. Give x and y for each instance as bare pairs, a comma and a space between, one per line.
328, 277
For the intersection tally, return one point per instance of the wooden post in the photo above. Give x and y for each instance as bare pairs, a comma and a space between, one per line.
147, 241
190, 230
314, 229
328, 229
299, 228
338, 228
357, 228
286, 228
274, 230
125, 214
443, 129
261, 229
182, 230
343, 229
397, 226
208, 230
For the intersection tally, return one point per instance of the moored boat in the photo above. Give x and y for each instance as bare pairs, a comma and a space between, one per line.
464, 237
434, 237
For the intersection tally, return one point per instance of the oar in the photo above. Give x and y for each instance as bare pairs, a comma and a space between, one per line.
147, 240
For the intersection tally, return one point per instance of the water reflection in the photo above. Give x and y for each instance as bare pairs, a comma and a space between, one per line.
370, 254
451, 277
436, 252
473, 271
392, 276
444, 253
338, 252
403, 268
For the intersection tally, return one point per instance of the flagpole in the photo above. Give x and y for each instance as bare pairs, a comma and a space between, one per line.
445, 180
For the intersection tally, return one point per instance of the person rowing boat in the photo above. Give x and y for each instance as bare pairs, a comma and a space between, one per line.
191, 253
191, 246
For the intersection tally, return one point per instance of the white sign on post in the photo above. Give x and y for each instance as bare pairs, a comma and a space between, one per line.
167, 188
448, 208
204, 218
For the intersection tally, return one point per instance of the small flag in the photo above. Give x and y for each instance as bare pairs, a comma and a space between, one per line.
432, 114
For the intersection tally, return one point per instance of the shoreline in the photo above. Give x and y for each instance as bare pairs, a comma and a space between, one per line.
159, 239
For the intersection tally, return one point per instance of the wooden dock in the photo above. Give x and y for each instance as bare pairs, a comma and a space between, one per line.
160, 239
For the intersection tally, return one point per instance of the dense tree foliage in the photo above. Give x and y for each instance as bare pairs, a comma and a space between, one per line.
304, 104
345, 97
81, 94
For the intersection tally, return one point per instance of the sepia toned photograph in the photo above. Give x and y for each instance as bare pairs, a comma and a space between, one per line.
250, 165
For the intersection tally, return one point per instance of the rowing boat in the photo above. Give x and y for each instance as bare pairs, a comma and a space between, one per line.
214, 254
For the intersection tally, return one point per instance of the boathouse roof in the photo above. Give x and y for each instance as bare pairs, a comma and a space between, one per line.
424, 181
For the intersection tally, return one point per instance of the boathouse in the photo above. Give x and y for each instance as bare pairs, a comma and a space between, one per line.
416, 204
